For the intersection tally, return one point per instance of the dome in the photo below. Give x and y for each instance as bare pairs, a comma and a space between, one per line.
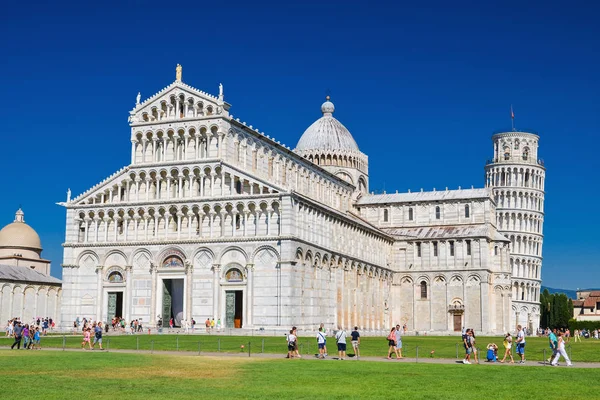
19, 235
327, 133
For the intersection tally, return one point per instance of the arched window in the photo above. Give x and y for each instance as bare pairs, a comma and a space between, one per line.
525, 153
173, 262
385, 215
467, 211
410, 214
437, 212
517, 144
234, 275
506, 153
423, 289
115, 277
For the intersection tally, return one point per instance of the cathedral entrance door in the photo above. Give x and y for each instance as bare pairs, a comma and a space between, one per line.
457, 318
115, 305
172, 304
233, 308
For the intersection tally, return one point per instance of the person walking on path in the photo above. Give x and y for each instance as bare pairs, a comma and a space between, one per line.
321, 340
207, 325
291, 342
467, 345
295, 333
521, 343
86, 338
340, 338
507, 348
553, 341
561, 351
98, 336
391, 338
355, 341
474, 346
18, 334
398, 337
26, 337
36, 339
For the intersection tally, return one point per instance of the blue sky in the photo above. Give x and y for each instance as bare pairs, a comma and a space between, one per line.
421, 87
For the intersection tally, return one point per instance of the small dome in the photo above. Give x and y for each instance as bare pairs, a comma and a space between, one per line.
19, 235
326, 133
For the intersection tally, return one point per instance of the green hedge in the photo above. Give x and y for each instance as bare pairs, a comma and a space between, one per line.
590, 325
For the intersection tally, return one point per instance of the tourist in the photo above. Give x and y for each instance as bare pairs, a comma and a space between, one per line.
324, 330
567, 335
97, 336
398, 337
355, 341
553, 341
193, 324
171, 323
18, 334
295, 333
507, 348
391, 338
212, 325
207, 325
492, 352
219, 325
521, 343
340, 338
36, 339
467, 345
291, 342
561, 351
26, 337
45, 327
577, 336
321, 340
474, 346
86, 338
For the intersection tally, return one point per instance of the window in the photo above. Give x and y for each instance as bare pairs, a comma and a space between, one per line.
517, 144
506, 153
435, 249
423, 289
468, 247
385, 215
495, 250
115, 277
238, 187
437, 213
467, 211
451, 244
237, 221
418, 249
410, 214
525, 153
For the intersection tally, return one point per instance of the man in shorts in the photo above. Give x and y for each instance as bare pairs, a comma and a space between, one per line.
98, 335
340, 338
521, 343
321, 340
355, 341
467, 344
398, 334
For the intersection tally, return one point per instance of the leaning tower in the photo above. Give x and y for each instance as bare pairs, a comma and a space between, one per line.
516, 175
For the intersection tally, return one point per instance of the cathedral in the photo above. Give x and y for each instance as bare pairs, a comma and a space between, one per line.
215, 219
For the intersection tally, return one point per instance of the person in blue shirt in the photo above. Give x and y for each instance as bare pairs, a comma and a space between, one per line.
553, 341
36, 339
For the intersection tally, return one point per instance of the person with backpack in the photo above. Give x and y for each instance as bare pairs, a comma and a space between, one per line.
340, 338
391, 338
467, 345
355, 341
291, 342
321, 340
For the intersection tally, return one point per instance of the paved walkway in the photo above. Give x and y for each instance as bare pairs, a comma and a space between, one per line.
405, 360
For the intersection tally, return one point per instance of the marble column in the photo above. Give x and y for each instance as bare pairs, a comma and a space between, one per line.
99, 291
216, 290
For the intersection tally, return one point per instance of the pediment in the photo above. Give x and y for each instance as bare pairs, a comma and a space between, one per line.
177, 101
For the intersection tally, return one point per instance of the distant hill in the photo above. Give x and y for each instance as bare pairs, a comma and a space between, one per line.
570, 293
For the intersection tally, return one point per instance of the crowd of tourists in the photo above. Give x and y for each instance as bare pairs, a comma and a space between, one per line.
28, 333
340, 335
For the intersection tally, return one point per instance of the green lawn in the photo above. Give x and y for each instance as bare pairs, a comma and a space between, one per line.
443, 346
101, 375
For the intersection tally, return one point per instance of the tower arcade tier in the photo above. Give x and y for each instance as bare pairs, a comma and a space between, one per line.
516, 175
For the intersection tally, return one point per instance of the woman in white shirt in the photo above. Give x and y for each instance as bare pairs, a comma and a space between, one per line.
291, 340
561, 351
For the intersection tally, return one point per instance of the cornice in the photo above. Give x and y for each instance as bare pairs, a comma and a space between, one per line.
234, 239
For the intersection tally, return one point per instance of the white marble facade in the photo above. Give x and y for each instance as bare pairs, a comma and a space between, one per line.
229, 224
